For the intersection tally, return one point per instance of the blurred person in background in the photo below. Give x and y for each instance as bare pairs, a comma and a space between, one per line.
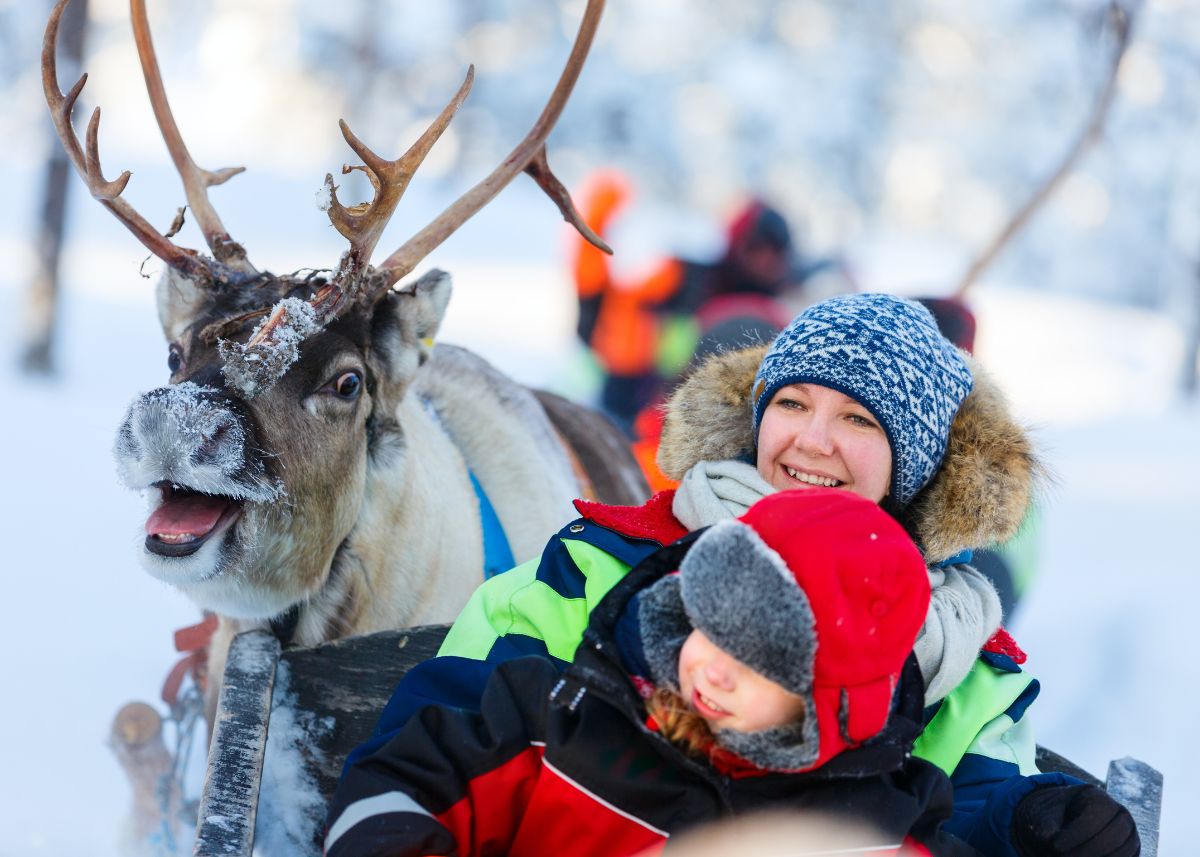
644, 332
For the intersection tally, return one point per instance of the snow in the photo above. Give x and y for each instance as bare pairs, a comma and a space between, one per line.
1107, 618
255, 369
291, 810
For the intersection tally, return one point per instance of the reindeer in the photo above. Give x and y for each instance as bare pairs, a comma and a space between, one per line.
316, 463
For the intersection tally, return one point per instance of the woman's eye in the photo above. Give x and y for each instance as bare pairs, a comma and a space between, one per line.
860, 420
348, 385
174, 359
790, 404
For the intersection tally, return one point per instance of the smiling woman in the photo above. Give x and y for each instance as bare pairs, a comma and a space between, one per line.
859, 370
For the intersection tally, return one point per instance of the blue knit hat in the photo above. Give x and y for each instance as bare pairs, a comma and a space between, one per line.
886, 353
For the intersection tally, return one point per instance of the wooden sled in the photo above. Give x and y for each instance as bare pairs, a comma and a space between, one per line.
325, 700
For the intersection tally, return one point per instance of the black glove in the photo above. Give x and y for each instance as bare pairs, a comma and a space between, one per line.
1073, 821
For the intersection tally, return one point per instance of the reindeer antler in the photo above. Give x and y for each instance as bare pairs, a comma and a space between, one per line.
388, 178
391, 178
529, 156
88, 164
255, 364
196, 180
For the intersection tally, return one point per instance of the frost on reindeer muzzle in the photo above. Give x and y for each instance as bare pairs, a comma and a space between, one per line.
191, 444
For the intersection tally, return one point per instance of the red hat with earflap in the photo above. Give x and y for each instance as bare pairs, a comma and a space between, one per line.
818, 590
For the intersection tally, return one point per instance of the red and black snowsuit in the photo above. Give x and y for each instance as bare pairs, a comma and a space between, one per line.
566, 764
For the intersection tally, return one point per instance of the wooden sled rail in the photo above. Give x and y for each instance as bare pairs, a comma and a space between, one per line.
342, 687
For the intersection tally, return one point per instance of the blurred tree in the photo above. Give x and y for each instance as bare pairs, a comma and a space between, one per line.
10, 52
1120, 18
883, 127
1190, 381
41, 301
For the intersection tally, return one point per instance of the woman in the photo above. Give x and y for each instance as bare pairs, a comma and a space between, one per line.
859, 393
717, 699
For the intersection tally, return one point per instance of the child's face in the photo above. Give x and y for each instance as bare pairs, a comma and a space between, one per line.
730, 695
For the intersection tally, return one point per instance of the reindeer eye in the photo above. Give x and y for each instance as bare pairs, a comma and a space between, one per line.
348, 385
174, 359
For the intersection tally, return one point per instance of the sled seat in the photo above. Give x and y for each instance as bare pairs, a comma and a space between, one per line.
342, 686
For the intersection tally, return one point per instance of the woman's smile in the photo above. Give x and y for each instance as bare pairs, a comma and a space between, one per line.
809, 478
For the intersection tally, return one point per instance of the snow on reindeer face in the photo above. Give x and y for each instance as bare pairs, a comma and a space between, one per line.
251, 495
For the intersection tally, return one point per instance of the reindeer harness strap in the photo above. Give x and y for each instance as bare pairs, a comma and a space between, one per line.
497, 553
193, 642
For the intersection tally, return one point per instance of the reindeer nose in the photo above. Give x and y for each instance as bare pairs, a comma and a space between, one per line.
170, 431
213, 444
195, 437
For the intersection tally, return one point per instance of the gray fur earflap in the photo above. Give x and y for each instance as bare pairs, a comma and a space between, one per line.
664, 627
791, 747
742, 595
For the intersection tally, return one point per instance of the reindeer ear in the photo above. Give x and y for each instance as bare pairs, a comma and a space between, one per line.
179, 298
424, 304
407, 320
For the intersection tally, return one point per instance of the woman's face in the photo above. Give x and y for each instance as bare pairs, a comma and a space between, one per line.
730, 695
812, 435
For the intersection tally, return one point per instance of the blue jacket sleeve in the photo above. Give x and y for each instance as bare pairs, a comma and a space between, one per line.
446, 680
979, 735
984, 804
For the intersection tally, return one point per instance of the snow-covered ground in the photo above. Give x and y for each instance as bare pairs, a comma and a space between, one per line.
1106, 619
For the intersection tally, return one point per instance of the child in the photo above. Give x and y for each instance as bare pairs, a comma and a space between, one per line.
699, 694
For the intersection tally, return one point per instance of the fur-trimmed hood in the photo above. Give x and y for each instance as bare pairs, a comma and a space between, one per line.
977, 498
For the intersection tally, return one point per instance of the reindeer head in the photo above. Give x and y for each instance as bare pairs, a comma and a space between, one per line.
284, 389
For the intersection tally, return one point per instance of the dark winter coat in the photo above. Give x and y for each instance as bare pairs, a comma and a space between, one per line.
565, 764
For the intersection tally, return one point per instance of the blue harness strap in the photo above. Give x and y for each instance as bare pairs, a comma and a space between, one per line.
960, 558
497, 554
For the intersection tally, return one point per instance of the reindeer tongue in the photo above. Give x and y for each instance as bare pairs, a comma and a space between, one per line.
195, 514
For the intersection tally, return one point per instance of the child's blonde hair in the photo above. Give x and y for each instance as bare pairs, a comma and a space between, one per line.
679, 724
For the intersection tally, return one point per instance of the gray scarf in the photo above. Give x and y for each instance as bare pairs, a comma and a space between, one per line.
964, 610
713, 491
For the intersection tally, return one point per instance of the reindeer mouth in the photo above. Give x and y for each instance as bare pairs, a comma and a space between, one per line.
185, 520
